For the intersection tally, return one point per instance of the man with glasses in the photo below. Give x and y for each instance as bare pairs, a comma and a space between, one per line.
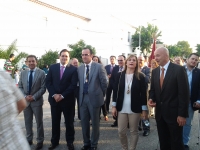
61, 82
121, 62
93, 85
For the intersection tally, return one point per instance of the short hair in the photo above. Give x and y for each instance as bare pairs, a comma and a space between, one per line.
112, 56
64, 50
122, 56
31, 56
91, 52
11, 55
193, 54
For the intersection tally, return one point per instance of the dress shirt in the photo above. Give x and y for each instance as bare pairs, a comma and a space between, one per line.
189, 74
166, 67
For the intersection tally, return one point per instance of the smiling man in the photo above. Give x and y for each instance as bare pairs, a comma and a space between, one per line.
169, 93
61, 81
32, 85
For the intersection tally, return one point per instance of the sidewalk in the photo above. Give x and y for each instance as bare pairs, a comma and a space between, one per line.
108, 135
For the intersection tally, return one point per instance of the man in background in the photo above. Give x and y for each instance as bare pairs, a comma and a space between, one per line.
8, 64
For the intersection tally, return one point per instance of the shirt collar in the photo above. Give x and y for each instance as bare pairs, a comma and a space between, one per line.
188, 69
63, 65
33, 69
165, 66
89, 64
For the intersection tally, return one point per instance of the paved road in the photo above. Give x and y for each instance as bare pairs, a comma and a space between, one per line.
108, 136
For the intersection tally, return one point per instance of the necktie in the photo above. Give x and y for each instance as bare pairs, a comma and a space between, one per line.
85, 86
120, 69
162, 77
30, 81
111, 69
61, 71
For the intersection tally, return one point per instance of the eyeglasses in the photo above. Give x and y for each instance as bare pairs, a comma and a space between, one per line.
119, 60
85, 54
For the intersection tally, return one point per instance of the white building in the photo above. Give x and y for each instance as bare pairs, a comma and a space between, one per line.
39, 26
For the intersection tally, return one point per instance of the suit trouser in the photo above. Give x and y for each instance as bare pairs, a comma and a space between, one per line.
37, 111
170, 135
133, 120
88, 112
108, 95
68, 112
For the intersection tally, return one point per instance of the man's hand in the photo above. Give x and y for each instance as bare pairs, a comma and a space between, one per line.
56, 97
60, 98
31, 98
196, 105
109, 76
114, 111
151, 103
181, 121
28, 98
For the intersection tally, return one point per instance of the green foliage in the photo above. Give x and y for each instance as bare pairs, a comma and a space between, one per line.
198, 49
76, 49
148, 34
182, 48
48, 58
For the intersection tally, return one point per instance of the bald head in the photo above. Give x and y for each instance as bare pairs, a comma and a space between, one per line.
161, 56
74, 62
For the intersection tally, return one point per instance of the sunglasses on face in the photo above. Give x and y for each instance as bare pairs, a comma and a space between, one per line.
85, 54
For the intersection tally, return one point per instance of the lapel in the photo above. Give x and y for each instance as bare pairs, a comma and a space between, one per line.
194, 76
143, 69
167, 75
82, 73
92, 69
25, 78
35, 76
157, 78
133, 81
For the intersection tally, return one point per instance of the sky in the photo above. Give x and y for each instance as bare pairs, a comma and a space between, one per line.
177, 19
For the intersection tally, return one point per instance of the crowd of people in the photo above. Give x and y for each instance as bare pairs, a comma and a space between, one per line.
168, 91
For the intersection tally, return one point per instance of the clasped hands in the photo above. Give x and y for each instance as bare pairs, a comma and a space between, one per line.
58, 97
29, 98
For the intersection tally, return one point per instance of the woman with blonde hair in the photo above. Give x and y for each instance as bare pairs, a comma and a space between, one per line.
129, 101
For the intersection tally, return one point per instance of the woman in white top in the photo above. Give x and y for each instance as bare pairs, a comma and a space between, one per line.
129, 101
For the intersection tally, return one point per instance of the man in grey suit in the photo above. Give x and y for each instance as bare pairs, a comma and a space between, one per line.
93, 84
32, 85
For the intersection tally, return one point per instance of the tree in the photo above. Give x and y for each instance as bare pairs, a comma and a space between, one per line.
148, 34
185, 48
48, 58
198, 49
174, 50
76, 49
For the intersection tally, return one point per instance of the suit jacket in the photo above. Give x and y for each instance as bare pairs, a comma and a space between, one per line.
38, 86
138, 92
146, 71
114, 75
195, 87
65, 86
108, 67
172, 100
97, 84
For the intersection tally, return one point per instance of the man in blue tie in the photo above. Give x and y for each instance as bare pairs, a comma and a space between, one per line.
32, 85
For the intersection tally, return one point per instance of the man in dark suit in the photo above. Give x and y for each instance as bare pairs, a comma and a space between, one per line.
193, 75
146, 70
32, 85
93, 83
61, 81
169, 92
121, 62
109, 68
